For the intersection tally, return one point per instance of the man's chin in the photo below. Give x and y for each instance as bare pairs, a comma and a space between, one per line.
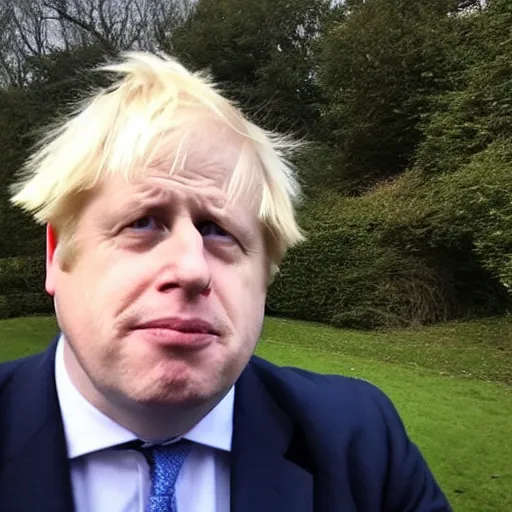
184, 392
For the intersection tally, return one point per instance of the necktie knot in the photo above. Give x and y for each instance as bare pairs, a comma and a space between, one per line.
165, 463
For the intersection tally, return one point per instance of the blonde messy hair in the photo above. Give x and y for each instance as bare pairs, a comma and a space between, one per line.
118, 131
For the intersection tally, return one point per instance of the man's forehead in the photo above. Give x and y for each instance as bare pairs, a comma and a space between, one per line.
195, 189
200, 162
192, 188
206, 155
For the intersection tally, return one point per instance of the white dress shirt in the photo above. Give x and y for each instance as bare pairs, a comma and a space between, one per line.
106, 480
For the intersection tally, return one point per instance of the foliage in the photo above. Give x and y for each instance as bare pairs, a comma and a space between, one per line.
318, 168
22, 274
352, 281
63, 71
478, 110
344, 274
261, 53
419, 248
22, 286
476, 202
384, 259
58, 82
408, 104
379, 66
19, 115
20, 304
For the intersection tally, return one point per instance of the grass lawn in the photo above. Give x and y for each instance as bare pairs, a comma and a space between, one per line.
452, 385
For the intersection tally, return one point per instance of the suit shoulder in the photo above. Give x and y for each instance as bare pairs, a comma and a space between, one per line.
9, 368
316, 381
332, 391
353, 428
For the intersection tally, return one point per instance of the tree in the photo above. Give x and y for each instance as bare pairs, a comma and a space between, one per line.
115, 25
23, 34
57, 82
379, 66
37, 28
261, 53
477, 110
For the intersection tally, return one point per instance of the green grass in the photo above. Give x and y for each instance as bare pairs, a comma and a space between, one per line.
450, 383
24, 336
476, 350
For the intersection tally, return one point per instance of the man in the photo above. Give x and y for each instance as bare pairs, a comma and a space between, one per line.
167, 214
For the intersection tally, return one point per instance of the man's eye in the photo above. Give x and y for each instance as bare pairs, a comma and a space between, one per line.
147, 223
210, 229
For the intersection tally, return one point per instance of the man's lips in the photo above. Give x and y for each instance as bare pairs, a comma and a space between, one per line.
190, 333
185, 325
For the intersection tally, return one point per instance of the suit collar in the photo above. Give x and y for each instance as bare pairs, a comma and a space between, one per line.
34, 460
269, 469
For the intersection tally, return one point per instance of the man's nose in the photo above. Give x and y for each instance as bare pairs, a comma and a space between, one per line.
185, 263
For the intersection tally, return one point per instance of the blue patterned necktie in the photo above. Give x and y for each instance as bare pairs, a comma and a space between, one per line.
165, 463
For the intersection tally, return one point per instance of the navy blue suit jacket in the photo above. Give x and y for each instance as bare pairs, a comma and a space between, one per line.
302, 442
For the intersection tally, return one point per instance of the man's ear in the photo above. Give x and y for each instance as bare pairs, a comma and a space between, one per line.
51, 260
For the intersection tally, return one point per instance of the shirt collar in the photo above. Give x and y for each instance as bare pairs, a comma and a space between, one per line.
88, 430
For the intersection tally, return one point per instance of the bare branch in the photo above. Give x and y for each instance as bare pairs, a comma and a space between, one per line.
39, 27
88, 26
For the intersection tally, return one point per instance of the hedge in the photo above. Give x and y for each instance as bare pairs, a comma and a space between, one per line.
350, 281
22, 275
24, 304
402, 254
22, 287
477, 200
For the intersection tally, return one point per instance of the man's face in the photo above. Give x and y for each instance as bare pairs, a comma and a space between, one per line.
165, 302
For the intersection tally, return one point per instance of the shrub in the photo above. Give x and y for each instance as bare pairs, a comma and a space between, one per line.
350, 281
22, 275
392, 257
23, 304
477, 201
22, 287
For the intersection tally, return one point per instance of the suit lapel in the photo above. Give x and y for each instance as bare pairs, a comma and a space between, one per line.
34, 463
266, 474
